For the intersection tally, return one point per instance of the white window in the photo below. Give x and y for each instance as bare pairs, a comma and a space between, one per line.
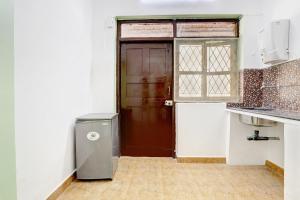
146, 30
206, 69
207, 29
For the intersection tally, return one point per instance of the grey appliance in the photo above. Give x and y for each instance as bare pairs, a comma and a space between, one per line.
97, 146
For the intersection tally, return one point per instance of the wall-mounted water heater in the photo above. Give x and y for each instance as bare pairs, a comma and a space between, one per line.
274, 42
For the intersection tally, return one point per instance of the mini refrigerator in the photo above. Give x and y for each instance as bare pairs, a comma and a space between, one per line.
97, 146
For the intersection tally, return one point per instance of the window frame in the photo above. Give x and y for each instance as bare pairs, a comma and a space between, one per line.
167, 23
174, 21
178, 23
234, 71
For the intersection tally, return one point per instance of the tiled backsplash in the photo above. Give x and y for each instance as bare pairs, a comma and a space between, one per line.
276, 87
251, 82
282, 86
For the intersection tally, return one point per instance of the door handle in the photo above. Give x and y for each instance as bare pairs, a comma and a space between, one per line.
168, 102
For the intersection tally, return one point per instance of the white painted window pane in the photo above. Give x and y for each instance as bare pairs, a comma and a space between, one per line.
190, 58
190, 85
207, 29
146, 30
218, 85
218, 58
208, 73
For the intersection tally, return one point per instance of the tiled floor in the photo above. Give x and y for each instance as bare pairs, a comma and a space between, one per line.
165, 179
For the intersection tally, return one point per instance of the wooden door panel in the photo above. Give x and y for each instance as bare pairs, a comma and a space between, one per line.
135, 60
157, 63
146, 90
146, 82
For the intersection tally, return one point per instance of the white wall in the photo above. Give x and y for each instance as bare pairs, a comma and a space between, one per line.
250, 25
288, 9
292, 162
52, 87
275, 148
201, 129
243, 152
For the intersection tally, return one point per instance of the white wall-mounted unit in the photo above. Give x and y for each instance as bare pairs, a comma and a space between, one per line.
274, 42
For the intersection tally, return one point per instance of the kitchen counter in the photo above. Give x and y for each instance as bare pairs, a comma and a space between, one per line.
282, 152
275, 115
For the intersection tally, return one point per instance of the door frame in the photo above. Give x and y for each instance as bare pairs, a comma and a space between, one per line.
159, 19
118, 71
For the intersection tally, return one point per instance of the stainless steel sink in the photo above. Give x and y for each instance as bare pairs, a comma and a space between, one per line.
256, 121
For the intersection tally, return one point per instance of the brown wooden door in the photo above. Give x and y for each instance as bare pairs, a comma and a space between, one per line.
146, 82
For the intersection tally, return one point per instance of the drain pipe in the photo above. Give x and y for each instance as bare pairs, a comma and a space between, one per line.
256, 137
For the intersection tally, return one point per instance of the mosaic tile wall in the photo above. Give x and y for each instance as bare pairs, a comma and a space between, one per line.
251, 83
250, 88
281, 86
276, 87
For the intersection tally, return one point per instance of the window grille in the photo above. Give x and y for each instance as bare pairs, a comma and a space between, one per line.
206, 69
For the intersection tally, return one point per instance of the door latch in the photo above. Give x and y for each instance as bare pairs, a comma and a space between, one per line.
168, 102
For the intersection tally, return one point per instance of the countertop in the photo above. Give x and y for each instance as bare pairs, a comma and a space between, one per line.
275, 115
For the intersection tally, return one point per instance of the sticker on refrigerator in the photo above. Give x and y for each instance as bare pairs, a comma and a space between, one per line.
93, 136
